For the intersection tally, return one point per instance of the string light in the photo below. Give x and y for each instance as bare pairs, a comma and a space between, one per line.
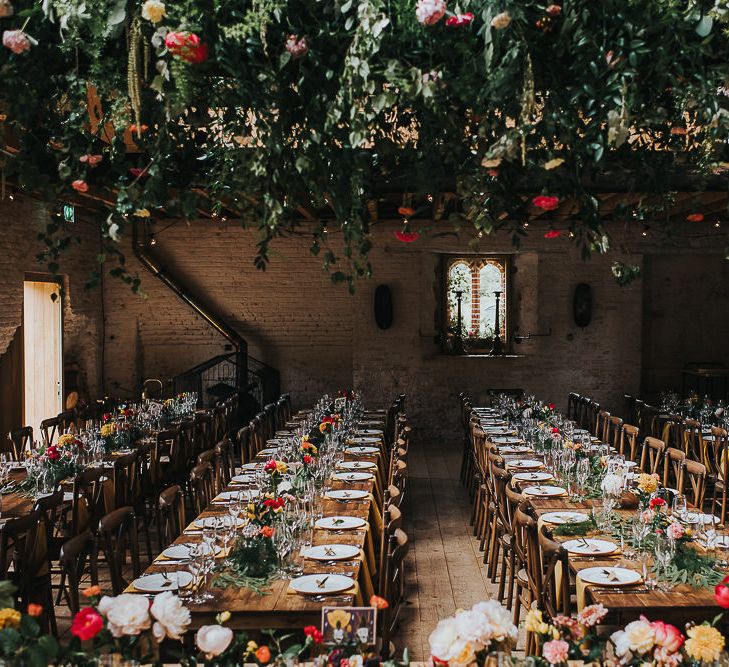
11, 196
324, 230
152, 240
480, 233
429, 197
717, 224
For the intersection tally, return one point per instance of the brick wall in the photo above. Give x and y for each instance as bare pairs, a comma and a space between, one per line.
321, 338
20, 221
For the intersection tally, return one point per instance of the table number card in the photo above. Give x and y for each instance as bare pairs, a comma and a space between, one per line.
349, 625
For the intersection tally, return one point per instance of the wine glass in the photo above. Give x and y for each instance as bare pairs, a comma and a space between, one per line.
679, 506
664, 551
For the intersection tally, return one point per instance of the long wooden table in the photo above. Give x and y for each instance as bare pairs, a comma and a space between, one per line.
278, 607
681, 604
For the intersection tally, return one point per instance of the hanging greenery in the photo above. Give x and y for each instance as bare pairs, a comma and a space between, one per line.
264, 108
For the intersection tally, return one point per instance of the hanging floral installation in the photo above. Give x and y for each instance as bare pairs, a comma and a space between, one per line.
263, 108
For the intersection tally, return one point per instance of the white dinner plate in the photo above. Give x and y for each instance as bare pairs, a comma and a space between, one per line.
321, 584
695, 517
526, 464
590, 547
369, 432
354, 476
544, 491
564, 517
250, 466
269, 451
515, 450
231, 496
362, 451
243, 479
357, 465
332, 552
347, 494
506, 439
364, 440
182, 551
157, 582
610, 576
213, 521
501, 430
340, 523
532, 476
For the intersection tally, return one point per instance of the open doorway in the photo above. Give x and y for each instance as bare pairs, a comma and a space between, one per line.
43, 352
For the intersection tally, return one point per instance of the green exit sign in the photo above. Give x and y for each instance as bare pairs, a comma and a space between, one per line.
69, 213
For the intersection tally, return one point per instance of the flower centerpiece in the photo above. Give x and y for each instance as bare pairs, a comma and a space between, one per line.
643, 641
275, 470
565, 638
472, 635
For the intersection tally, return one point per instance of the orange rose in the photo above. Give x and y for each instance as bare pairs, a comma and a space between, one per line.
91, 592
263, 654
267, 531
35, 609
378, 603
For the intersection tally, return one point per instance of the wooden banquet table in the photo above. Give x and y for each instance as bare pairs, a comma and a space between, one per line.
279, 606
681, 604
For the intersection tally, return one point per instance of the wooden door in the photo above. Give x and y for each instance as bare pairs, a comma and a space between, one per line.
43, 353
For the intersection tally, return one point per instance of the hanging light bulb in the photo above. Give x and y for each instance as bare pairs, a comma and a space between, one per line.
152, 240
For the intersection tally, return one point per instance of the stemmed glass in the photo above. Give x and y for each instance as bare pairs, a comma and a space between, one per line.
664, 551
583, 474
282, 545
679, 506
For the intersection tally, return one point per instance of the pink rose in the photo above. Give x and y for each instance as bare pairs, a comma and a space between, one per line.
459, 20
667, 636
556, 651
297, 47
16, 40
91, 160
429, 12
675, 531
187, 46
80, 185
592, 615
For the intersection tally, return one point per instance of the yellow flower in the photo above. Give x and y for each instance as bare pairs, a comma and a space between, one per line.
704, 643
251, 647
647, 483
554, 163
535, 623
222, 617
65, 440
142, 213
154, 10
323, 427
107, 430
281, 467
501, 21
9, 618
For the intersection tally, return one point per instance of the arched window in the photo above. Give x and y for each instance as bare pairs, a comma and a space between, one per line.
477, 279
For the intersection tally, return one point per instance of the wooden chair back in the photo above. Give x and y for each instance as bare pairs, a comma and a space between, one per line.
224, 463
171, 517
125, 480
652, 455
21, 440
555, 589
672, 463
614, 431
629, 441
692, 482
76, 554
117, 537
602, 422
89, 502
50, 430
573, 401
201, 486
395, 585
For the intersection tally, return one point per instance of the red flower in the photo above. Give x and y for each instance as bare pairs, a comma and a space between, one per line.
721, 593
406, 237
406, 211
80, 185
267, 531
554, 10
296, 47
695, 217
187, 46
555, 429
270, 466
35, 610
87, 624
314, 632
137, 172
460, 20
91, 160
378, 603
546, 203
274, 503
656, 502
307, 459
667, 636
551, 406
52, 453
553, 234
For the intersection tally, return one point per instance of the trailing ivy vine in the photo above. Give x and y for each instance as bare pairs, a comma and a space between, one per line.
263, 109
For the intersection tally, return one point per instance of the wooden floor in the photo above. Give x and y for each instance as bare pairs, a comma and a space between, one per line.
445, 570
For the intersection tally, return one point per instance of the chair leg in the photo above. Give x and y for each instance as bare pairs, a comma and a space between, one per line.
512, 581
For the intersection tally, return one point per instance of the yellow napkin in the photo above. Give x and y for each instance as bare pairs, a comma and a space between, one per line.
581, 586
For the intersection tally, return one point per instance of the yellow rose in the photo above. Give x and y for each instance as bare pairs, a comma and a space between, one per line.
251, 647
501, 21
322, 427
647, 483
107, 430
222, 617
553, 164
154, 11
142, 212
704, 643
65, 440
281, 467
9, 618
535, 623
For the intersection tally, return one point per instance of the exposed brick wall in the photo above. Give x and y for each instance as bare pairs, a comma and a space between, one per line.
20, 221
321, 338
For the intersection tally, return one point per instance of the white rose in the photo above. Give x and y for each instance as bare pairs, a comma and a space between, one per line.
641, 636
501, 21
473, 626
154, 11
612, 484
442, 637
126, 614
622, 645
171, 615
356, 661
499, 620
429, 12
212, 640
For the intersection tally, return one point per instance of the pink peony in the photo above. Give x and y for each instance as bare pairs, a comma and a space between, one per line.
667, 636
556, 651
675, 531
429, 12
297, 47
460, 20
570, 626
592, 615
16, 40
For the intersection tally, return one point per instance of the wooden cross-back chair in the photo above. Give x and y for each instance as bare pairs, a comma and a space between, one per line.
511, 560
466, 409
117, 537
203, 432
629, 412
629, 442
502, 522
602, 422
245, 455
171, 514
573, 403
50, 430
493, 461
692, 482
92, 497
720, 457
529, 584
693, 440
224, 463
21, 440
78, 554
555, 590
593, 412
394, 585
648, 421
391, 520
614, 432
201, 486
652, 455
672, 464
